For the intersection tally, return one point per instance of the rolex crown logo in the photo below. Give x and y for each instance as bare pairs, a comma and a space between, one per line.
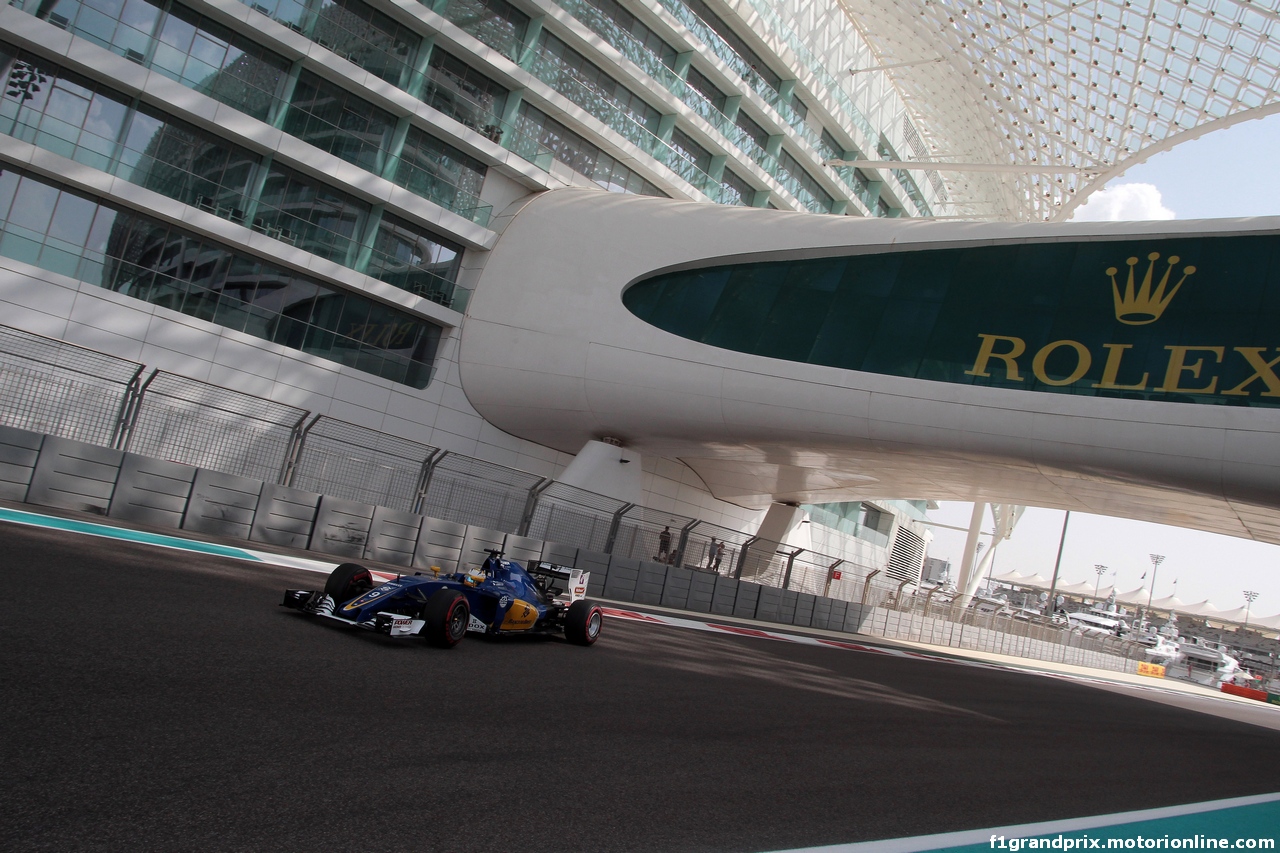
1141, 305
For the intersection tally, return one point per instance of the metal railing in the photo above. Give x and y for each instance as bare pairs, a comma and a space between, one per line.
56, 388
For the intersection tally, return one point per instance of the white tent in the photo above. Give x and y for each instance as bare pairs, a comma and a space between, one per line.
1082, 588
1030, 581
1136, 597
1269, 622
1169, 602
1202, 609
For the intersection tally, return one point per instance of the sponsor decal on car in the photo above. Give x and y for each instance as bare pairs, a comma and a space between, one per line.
521, 616
371, 596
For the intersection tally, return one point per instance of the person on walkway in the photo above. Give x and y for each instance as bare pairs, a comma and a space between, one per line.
664, 543
714, 551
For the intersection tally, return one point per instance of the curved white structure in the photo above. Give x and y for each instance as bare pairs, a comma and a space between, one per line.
551, 353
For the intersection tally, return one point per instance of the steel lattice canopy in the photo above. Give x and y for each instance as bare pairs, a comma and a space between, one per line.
1096, 86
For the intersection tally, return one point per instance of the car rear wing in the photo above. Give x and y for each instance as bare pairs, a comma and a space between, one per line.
561, 582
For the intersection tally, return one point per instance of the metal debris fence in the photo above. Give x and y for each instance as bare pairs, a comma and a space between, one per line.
56, 388
52, 387
196, 423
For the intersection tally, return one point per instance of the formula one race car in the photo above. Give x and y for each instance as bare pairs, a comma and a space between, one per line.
501, 597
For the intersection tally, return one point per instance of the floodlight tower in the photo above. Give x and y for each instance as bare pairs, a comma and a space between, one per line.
1156, 560
1100, 569
1249, 597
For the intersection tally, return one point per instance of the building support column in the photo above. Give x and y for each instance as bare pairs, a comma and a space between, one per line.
607, 468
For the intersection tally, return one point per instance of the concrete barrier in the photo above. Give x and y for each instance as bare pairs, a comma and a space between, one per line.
74, 475
439, 545
676, 591
151, 491
702, 590
651, 580
393, 536
744, 605
284, 516
620, 584
19, 450
597, 563
222, 504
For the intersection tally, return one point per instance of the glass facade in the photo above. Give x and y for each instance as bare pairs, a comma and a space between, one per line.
181, 44
494, 22
632, 26
241, 74
803, 185
105, 129
81, 237
570, 74
582, 156
1181, 320
333, 120
352, 29
736, 187
411, 260
462, 93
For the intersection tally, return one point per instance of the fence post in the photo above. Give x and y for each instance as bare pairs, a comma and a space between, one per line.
742, 556
424, 477
126, 408
531, 505
297, 438
683, 541
866, 584
131, 419
614, 524
791, 561
831, 572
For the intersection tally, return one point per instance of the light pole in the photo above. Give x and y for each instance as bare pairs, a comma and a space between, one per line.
1249, 597
1156, 560
1100, 569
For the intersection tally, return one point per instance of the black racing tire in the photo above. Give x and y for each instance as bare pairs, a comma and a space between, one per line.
347, 581
447, 615
583, 622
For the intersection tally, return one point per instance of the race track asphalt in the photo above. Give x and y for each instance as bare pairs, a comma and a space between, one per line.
156, 700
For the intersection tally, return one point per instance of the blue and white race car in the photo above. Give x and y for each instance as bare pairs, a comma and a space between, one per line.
499, 598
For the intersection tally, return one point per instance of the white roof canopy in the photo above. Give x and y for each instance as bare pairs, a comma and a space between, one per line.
1097, 85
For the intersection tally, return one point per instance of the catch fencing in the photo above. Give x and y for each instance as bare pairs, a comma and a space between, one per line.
300, 461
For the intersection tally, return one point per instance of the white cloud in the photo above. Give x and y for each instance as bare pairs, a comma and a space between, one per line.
1126, 202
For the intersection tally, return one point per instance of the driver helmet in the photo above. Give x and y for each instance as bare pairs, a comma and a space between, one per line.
475, 577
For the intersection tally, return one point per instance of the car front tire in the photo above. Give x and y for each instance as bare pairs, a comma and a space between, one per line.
347, 581
447, 616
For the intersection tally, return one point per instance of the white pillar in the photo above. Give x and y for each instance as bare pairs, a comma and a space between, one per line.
779, 522
970, 552
606, 468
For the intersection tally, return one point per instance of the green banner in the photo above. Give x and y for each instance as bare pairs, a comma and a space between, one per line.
1190, 320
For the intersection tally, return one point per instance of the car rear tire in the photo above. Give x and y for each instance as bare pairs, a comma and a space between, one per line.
347, 581
447, 615
583, 622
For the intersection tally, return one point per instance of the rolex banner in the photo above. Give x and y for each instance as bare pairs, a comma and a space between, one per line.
1187, 320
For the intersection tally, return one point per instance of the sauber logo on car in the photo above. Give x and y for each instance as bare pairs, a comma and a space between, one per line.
522, 615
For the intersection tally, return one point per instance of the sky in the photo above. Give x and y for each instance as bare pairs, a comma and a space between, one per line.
1226, 173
